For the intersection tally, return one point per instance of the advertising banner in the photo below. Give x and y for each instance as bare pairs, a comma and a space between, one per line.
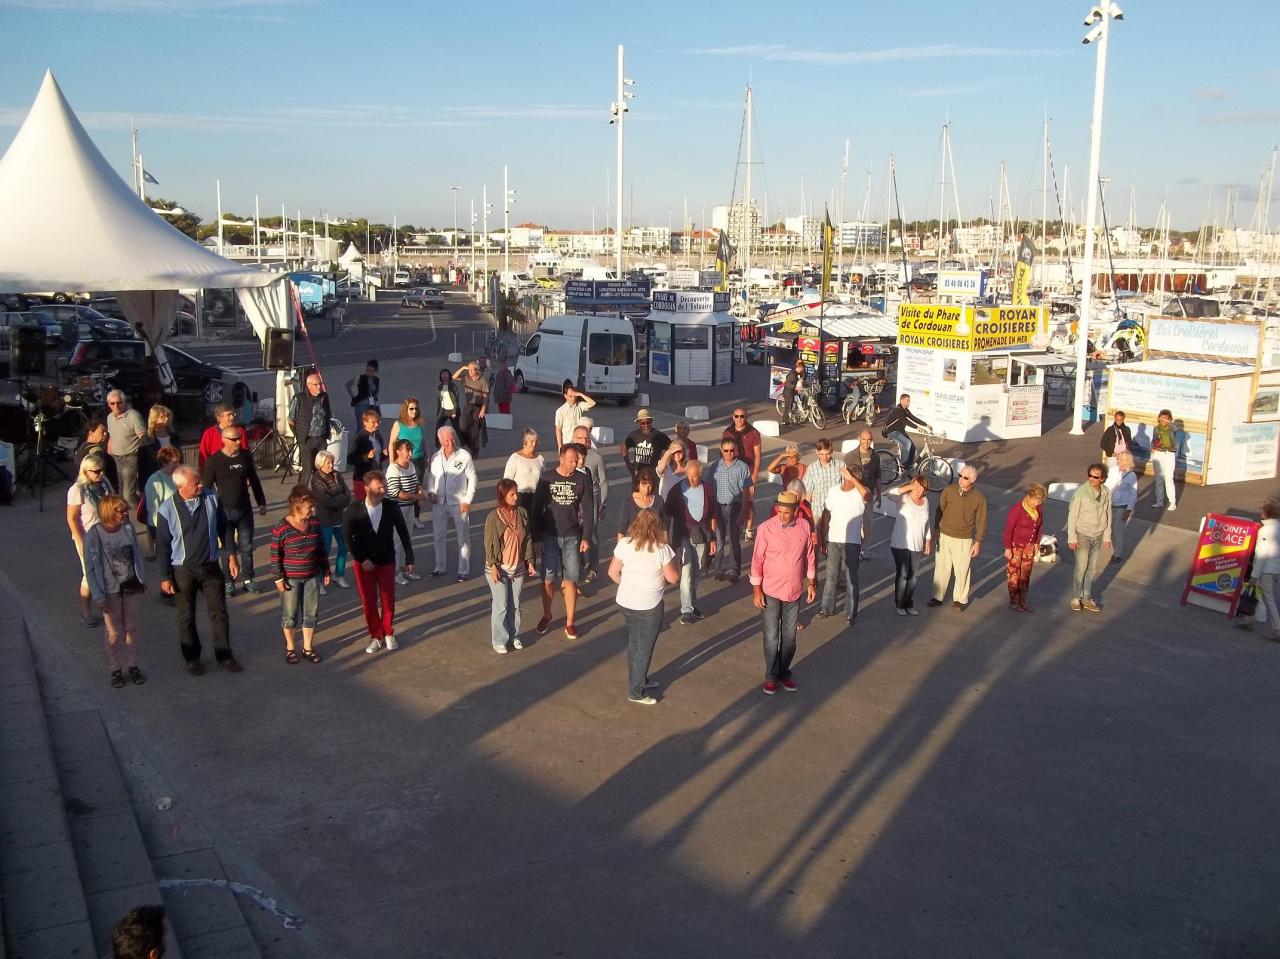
933, 327
1187, 397
962, 283
831, 360
1229, 340
1222, 555
807, 350
1001, 327
1024, 405
965, 329
1255, 445
1022, 272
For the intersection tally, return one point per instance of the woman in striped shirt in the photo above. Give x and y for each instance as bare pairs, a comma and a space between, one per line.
301, 565
404, 488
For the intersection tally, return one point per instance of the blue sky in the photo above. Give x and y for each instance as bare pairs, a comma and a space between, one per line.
377, 109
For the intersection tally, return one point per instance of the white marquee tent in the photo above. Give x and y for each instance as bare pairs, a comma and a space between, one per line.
73, 224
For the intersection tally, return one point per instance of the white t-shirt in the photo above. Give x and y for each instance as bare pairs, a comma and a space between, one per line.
913, 526
667, 480
524, 471
846, 507
88, 509
642, 581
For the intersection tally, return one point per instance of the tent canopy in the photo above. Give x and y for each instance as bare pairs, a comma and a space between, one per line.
74, 225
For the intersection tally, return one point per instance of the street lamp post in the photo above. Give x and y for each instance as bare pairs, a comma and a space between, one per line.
455, 188
1099, 20
618, 112
508, 198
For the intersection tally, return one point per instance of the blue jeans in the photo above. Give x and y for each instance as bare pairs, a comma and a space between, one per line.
729, 536
1088, 552
561, 559
504, 618
300, 603
327, 535
691, 557
842, 558
643, 626
904, 577
779, 621
906, 448
240, 528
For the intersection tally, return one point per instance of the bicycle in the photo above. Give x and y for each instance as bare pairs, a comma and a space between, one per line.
805, 408
936, 470
861, 404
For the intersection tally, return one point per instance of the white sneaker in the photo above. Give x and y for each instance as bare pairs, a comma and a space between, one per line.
913, 611
414, 576
419, 524
1172, 509
324, 590
643, 700
902, 612
374, 646
342, 581
392, 645
400, 580
516, 644
500, 650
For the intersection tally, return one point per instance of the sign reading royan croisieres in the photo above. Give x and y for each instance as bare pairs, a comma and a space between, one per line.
969, 330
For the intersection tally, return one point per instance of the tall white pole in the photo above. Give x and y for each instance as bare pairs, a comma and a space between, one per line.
284, 235
472, 224
1106, 10
137, 175
257, 228
746, 212
484, 236
506, 225
218, 187
455, 188
142, 180
621, 108
1044, 200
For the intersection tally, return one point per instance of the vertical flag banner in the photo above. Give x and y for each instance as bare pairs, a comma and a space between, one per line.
724, 254
1022, 272
828, 248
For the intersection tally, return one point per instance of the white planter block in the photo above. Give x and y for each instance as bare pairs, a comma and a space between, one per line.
498, 421
602, 435
848, 446
642, 399
1062, 491
766, 427
774, 478
704, 453
389, 411
455, 357
697, 413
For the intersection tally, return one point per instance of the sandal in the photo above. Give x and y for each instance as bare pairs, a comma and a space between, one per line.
117, 678
135, 674
311, 654
291, 657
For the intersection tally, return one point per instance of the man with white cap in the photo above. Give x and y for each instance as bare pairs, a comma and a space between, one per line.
644, 445
783, 564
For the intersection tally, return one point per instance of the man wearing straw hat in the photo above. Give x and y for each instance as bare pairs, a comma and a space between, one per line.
644, 445
783, 564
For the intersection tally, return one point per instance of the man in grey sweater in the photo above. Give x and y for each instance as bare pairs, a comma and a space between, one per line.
592, 463
1088, 533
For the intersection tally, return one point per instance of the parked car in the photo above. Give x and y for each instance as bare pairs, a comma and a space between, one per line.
754, 353
415, 297
351, 288
401, 278
75, 322
16, 303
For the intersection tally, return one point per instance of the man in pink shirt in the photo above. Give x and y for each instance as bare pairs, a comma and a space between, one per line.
782, 563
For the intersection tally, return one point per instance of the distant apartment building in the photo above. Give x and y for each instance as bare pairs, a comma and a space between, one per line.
693, 241
642, 238
807, 230
859, 233
527, 236
1127, 242
778, 240
734, 221
1244, 243
981, 238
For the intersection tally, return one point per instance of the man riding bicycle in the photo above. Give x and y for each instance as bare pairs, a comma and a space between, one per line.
795, 380
895, 428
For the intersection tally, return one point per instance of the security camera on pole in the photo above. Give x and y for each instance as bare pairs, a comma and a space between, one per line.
1099, 19
509, 198
619, 110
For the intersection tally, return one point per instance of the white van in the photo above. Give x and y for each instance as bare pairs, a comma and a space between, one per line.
595, 351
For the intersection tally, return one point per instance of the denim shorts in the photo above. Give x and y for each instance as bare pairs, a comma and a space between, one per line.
561, 560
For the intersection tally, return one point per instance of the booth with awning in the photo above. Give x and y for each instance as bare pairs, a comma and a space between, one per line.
690, 335
834, 342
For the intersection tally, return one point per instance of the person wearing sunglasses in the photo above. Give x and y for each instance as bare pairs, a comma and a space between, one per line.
83, 499
125, 432
962, 522
750, 449
230, 473
1088, 534
730, 478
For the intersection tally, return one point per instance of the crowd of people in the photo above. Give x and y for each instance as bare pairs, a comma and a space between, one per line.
680, 521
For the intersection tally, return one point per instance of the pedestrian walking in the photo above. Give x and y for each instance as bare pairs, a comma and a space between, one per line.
83, 499
1266, 565
95, 441
670, 468
564, 515
961, 522
570, 413
783, 567
116, 573
301, 565
331, 496
1164, 459
224, 418
682, 439
1088, 534
191, 532
160, 433
1022, 528
644, 496
642, 566
750, 449
408, 426
231, 474
125, 433
910, 541
451, 489
159, 486
840, 541
475, 403
1117, 438
368, 452
370, 527
787, 465
405, 492
364, 391
508, 559
1122, 482
309, 421
821, 475
895, 429
864, 457
644, 445
525, 467
731, 480
502, 386
592, 464
448, 401
690, 508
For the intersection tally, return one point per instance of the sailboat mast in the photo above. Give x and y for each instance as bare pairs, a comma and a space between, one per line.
1044, 201
746, 211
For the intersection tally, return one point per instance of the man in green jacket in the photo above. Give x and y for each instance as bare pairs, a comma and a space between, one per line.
1088, 533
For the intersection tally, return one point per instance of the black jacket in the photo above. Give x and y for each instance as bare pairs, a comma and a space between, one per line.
1109, 439
898, 418
364, 542
680, 524
300, 422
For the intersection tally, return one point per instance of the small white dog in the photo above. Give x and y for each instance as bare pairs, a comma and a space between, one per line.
1048, 549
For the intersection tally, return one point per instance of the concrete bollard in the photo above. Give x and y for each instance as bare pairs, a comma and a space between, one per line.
1063, 491
498, 421
602, 435
704, 452
767, 427
455, 357
697, 413
642, 399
